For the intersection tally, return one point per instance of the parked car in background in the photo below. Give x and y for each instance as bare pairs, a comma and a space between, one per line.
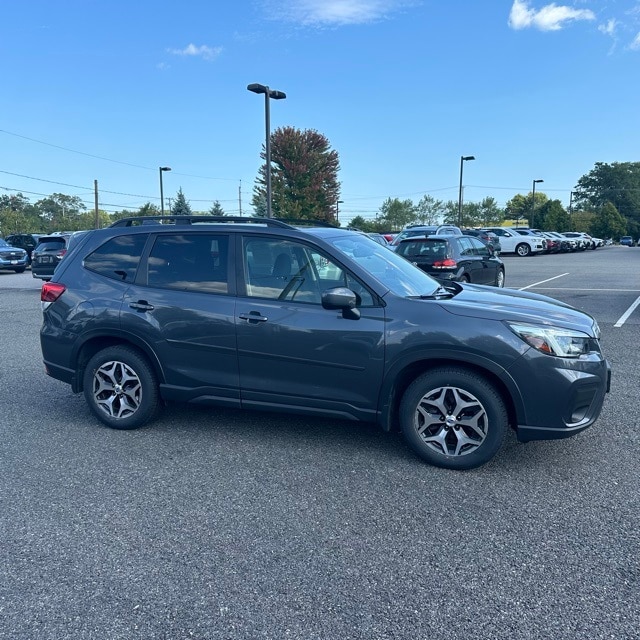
585, 240
627, 241
253, 313
425, 230
513, 242
565, 245
457, 258
488, 237
12, 258
47, 255
26, 241
379, 238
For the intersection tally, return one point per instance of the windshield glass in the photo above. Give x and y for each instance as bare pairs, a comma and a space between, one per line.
399, 275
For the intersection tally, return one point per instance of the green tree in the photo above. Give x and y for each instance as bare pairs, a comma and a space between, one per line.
521, 208
582, 220
368, 226
216, 209
429, 210
304, 176
60, 211
617, 183
395, 214
554, 217
180, 206
609, 223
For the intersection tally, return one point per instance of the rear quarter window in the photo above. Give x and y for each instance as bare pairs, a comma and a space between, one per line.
117, 258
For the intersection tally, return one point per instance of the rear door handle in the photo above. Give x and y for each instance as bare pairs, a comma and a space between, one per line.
141, 305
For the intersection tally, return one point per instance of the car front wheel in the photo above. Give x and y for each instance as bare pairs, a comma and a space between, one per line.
523, 250
121, 388
453, 418
500, 278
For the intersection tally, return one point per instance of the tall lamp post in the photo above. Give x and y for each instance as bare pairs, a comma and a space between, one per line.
276, 95
338, 203
162, 170
533, 200
462, 159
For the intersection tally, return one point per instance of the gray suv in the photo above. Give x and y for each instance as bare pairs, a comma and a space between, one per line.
258, 314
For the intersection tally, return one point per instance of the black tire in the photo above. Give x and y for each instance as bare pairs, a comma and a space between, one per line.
453, 418
523, 250
500, 278
121, 388
465, 278
20, 269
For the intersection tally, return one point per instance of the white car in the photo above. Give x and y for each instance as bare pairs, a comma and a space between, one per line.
513, 242
588, 241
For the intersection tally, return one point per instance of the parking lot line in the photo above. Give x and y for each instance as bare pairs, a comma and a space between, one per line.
624, 317
535, 284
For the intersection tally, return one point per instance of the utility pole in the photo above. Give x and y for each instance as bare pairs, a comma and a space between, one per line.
240, 197
97, 214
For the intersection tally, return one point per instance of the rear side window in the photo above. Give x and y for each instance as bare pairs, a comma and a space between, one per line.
117, 258
189, 262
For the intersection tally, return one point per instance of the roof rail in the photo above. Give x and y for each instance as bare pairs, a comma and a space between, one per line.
134, 221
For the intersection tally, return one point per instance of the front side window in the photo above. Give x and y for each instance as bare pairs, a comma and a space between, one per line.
189, 262
117, 258
291, 271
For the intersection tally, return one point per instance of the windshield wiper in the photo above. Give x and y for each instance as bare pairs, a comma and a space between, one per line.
439, 294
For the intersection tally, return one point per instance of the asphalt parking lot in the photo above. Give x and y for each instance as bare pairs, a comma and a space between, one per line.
221, 524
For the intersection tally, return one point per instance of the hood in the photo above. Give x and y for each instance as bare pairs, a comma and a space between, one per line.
492, 303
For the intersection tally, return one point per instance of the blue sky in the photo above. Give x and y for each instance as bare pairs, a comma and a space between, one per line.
110, 91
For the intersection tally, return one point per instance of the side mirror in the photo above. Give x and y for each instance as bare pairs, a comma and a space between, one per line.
341, 298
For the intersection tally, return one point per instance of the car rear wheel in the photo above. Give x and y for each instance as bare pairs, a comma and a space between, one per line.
523, 250
20, 269
500, 278
453, 418
121, 388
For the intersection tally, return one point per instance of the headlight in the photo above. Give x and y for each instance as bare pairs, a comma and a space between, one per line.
554, 341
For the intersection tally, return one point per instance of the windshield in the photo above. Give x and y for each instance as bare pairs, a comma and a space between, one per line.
399, 275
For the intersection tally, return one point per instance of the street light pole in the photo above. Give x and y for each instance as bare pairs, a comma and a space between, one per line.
162, 170
462, 159
276, 95
533, 200
338, 203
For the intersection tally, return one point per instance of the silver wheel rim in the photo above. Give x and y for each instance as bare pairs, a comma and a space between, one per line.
500, 282
523, 250
117, 389
451, 421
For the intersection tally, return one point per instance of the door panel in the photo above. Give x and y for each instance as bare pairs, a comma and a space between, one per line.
294, 353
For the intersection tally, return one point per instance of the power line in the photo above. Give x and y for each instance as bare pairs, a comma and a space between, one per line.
128, 164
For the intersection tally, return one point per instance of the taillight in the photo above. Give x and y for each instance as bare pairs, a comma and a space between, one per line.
60, 254
51, 291
445, 264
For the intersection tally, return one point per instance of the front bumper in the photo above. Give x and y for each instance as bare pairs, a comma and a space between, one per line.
562, 396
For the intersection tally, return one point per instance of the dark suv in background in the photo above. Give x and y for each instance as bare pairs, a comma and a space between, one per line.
459, 258
26, 241
47, 255
258, 314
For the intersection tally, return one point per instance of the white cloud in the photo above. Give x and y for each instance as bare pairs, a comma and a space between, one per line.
207, 53
334, 12
550, 18
635, 45
609, 28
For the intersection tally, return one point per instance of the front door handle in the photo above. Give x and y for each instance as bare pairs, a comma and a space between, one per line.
253, 316
141, 305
